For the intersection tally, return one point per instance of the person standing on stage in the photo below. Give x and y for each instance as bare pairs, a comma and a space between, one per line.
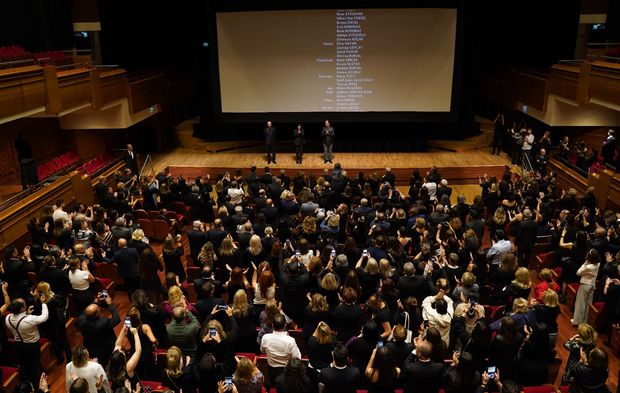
609, 147
298, 140
26, 161
270, 141
328, 141
129, 156
498, 133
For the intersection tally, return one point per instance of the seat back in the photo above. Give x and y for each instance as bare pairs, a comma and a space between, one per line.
161, 229
147, 228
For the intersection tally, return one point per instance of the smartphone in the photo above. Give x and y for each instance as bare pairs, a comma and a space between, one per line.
222, 307
212, 332
128, 322
288, 241
333, 253
297, 253
379, 343
104, 294
365, 253
228, 381
491, 371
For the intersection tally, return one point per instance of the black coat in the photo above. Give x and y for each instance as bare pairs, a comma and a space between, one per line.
298, 137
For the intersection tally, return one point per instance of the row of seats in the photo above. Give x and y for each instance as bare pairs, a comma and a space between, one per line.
53, 166
96, 163
13, 53
55, 58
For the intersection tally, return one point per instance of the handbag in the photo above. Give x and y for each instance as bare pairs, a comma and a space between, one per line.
409, 332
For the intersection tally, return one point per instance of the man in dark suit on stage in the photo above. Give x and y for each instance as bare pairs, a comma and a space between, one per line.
328, 141
129, 156
298, 141
270, 141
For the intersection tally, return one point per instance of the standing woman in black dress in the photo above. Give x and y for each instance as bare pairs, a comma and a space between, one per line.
172, 256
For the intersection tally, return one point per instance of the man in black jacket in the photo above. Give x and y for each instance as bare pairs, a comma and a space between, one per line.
298, 141
98, 332
270, 141
127, 260
411, 284
328, 141
340, 377
196, 237
526, 237
131, 160
421, 374
216, 234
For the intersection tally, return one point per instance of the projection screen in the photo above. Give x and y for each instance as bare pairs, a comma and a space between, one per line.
350, 60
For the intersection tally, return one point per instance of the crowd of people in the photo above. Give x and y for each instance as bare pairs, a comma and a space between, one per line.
385, 288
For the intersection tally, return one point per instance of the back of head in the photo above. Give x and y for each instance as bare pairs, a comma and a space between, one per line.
80, 385
279, 322
340, 354
178, 314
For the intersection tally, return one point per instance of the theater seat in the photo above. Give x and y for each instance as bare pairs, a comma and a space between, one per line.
248, 355
597, 315
10, 378
160, 228
544, 260
539, 389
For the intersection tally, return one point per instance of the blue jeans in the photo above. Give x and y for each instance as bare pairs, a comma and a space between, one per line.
327, 152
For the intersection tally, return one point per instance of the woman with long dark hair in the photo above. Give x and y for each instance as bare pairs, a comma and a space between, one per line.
293, 379
462, 377
120, 367
381, 371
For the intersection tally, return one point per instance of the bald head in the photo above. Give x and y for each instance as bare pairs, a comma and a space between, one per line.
122, 243
92, 311
409, 269
423, 349
178, 313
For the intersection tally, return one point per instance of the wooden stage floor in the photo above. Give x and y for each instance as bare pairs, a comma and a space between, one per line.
458, 168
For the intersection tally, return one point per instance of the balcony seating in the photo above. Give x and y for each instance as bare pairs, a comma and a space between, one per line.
57, 164
96, 163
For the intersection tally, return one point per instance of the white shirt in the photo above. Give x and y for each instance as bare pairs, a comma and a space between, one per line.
528, 141
280, 348
588, 273
431, 187
441, 322
90, 372
28, 329
258, 296
79, 279
60, 214
236, 195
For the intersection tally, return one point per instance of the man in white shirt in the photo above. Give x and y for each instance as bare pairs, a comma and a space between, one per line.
431, 187
24, 328
59, 213
438, 311
499, 249
236, 193
279, 347
528, 142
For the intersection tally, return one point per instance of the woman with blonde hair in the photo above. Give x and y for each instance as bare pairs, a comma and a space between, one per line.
320, 346
247, 377
547, 312
207, 254
385, 268
368, 276
138, 241
172, 254
317, 310
254, 254
519, 314
177, 375
499, 220
309, 230
81, 366
217, 342
176, 298
80, 279
229, 254
54, 328
244, 313
264, 287
584, 340
520, 287
329, 288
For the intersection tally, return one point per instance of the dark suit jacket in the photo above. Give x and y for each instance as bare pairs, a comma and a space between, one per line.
270, 135
527, 234
344, 380
423, 377
196, 240
271, 215
130, 161
415, 286
298, 137
328, 135
443, 190
99, 336
609, 148
127, 261
216, 236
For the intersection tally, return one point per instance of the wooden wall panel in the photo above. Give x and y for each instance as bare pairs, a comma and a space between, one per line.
563, 81
144, 93
529, 89
75, 88
605, 82
21, 89
45, 137
567, 177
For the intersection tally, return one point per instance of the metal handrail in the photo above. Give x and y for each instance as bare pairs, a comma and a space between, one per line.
147, 161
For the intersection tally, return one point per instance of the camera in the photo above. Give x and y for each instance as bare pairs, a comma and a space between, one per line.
104, 294
128, 322
471, 312
212, 332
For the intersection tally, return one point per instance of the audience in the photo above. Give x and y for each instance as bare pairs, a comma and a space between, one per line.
368, 280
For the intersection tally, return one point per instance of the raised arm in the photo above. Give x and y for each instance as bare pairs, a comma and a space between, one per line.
132, 363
